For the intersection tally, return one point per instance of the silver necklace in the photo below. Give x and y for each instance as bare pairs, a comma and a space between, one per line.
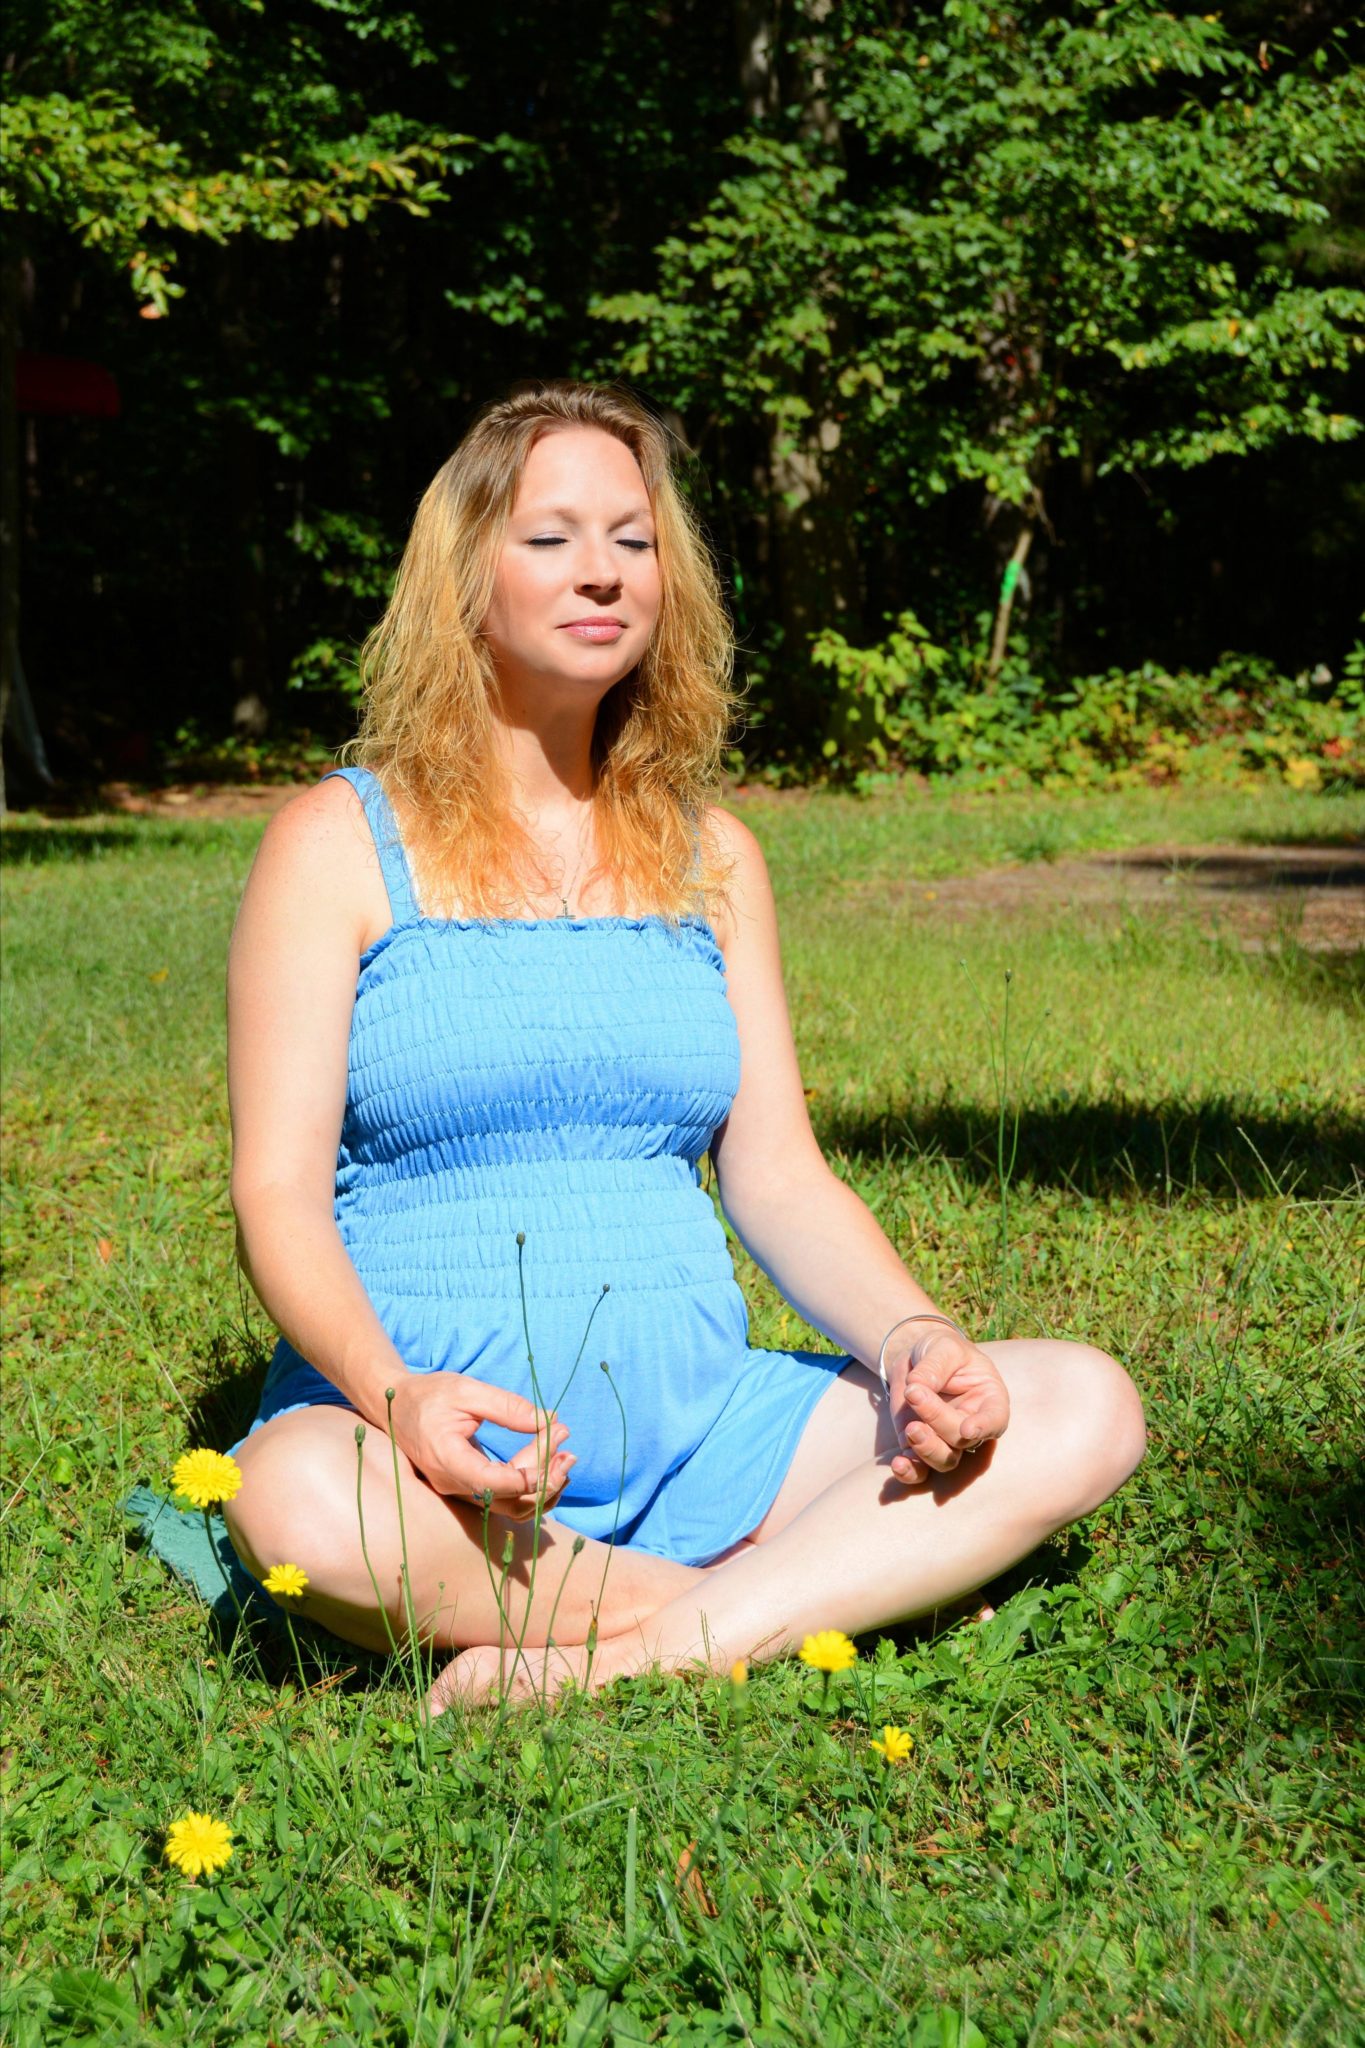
566, 890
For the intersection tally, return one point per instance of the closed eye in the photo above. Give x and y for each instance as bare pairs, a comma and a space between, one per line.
557, 540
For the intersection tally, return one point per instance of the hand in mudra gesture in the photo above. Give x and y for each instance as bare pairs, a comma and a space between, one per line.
947, 1399
434, 1418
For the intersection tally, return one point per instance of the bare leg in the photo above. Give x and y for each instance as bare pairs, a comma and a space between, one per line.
297, 1505
846, 1546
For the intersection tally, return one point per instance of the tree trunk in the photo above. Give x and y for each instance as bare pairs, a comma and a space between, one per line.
818, 572
811, 493
755, 36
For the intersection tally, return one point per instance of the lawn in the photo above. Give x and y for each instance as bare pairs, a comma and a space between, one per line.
1134, 1802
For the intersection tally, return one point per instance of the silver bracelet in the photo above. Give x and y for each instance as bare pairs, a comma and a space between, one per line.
925, 1316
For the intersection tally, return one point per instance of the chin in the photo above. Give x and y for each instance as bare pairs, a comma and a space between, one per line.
603, 665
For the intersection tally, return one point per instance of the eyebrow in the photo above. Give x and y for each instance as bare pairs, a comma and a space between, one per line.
571, 518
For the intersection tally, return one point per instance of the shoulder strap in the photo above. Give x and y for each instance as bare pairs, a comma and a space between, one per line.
393, 861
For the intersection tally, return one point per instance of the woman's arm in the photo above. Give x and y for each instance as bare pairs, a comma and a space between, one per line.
314, 900
819, 1243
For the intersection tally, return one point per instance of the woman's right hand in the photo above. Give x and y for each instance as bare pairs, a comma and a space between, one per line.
434, 1417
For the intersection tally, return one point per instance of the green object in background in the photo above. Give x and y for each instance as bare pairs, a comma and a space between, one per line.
1009, 582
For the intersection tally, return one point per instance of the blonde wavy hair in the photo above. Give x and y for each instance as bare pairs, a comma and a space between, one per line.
430, 695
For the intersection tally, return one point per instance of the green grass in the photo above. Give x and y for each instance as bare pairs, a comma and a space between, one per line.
1134, 1803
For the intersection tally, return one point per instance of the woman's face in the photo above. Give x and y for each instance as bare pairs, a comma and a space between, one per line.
577, 589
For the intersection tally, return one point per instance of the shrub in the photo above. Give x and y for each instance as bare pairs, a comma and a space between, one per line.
912, 705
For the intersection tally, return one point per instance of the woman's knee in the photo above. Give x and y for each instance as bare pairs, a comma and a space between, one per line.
1101, 1429
287, 1511
1093, 1430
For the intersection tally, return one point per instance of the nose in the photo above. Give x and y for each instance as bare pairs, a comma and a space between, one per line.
599, 570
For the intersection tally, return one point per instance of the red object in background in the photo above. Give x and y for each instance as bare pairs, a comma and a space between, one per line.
64, 384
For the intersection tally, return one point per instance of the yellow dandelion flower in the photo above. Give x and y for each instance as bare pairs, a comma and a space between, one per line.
895, 1745
739, 1672
198, 1844
286, 1581
204, 1478
828, 1650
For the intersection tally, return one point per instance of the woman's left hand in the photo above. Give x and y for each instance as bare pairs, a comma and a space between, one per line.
948, 1400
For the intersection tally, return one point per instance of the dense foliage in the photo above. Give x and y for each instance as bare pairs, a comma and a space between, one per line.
1041, 319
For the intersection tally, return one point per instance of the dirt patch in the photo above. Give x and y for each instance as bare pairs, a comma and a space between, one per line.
1260, 896
198, 799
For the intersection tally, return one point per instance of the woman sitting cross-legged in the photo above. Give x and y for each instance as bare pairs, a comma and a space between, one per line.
494, 991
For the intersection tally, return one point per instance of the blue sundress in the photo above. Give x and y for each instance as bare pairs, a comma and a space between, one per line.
561, 1078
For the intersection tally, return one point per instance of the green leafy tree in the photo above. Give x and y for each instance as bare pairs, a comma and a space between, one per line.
347, 224
134, 133
1050, 237
1067, 267
133, 128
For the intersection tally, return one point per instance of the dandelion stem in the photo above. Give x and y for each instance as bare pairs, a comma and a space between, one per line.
1005, 1165
298, 1654
364, 1547
632, 1852
498, 1584
616, 1518
542, 1476
575, 1551
1004, 1173
226, 1574
547, 1454
604, 1291
414, 1641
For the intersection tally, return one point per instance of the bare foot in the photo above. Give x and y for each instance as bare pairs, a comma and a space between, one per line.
485, 1674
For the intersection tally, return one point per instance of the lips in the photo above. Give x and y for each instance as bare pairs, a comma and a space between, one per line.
599, 629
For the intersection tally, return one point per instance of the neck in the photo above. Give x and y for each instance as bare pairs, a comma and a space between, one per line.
548, 759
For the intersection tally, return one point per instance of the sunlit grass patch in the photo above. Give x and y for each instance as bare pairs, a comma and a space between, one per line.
1130, 1809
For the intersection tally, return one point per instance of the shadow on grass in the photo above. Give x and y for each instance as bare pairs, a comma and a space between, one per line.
1311, 838
1335, 980
1297, 1531
1214, 1147
230, 1373
1058, 1562
1311, 865
49, 845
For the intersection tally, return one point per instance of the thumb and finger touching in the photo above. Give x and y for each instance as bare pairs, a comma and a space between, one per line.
957, 1423
510, 1411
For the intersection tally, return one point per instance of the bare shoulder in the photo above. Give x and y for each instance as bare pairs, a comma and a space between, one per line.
318, 852
321, 821
739, 857
736, 845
